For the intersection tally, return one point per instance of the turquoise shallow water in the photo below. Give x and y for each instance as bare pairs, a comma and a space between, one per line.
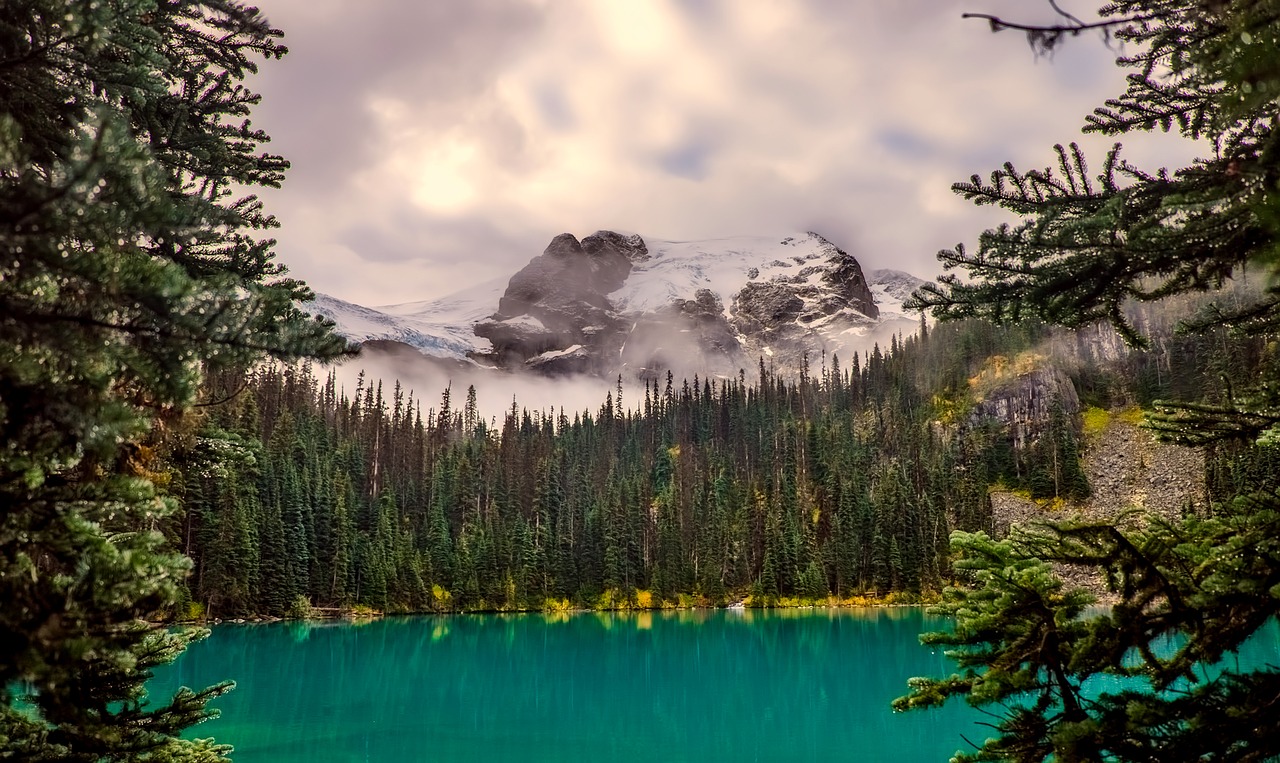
787, 685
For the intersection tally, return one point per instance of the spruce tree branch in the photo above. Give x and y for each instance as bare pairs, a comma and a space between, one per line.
58, 193
39, 50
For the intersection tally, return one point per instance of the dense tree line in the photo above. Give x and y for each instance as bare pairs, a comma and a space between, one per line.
842, 481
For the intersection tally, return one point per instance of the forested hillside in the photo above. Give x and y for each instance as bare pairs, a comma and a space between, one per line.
845, 481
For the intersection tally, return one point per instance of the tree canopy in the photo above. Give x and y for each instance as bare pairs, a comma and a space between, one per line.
1083, 248
131, 260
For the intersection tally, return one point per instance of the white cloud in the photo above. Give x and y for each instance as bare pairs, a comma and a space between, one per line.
443, 145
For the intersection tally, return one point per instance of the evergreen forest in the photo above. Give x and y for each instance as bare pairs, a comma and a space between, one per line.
844, 482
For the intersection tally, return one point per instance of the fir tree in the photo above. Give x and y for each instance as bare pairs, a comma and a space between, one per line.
126, 266
1190, 592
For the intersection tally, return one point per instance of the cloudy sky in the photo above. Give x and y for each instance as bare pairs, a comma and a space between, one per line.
442, 143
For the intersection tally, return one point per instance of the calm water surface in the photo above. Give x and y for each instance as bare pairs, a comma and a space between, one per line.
789, 685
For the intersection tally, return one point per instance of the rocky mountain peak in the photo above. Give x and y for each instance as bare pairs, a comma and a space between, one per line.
570, 274
609, 243
651, 306
613, 303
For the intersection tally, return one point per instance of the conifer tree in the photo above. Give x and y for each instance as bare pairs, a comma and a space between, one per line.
1191, 592
126, 266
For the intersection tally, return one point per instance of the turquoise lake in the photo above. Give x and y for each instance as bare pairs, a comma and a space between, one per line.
790, 685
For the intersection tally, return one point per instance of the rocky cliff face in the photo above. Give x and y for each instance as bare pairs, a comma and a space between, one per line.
571, 277
613, 303
555, 315
1024, 403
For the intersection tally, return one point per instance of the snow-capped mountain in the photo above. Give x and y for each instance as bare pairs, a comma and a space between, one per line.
614, 303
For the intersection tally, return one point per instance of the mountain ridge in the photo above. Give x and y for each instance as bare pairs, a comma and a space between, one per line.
617, 303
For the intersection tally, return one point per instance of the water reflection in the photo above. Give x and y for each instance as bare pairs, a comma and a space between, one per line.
673, 685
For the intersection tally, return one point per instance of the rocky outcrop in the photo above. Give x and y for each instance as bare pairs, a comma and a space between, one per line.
767, 305
808, 312
516, 339
571, 276
1096, 344
575, 359
827, 292
559, 301
849, 289
1024, 402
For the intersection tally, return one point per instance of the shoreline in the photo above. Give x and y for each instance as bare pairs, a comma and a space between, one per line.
331, 614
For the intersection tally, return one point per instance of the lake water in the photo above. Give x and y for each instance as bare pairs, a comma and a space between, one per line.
789, 685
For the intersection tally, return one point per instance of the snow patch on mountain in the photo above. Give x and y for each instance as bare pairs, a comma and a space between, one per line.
678, 269
440, 327
891, 288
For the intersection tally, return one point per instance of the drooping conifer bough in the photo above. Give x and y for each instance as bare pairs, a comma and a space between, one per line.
1082, 247
131, 260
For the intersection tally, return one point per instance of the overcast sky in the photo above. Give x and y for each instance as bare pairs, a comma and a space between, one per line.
440, 143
